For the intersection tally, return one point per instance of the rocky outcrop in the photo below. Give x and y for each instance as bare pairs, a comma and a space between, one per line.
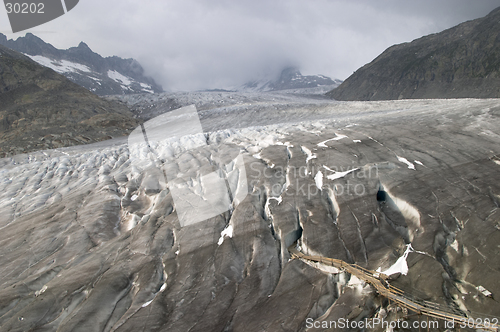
460, 62
40, 109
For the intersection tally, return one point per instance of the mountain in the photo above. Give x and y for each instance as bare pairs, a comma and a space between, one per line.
463, 61
41, 109
290, 78
103, 76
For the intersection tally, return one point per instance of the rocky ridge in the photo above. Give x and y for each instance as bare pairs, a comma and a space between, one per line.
103, 76
461, 62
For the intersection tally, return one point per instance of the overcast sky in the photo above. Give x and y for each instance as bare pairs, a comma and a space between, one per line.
196, 44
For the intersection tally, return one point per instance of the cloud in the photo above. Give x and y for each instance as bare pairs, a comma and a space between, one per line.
196, 44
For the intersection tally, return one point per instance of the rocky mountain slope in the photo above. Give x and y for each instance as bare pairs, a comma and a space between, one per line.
40, 109
103, 76
463, 61
290, 79
94, 238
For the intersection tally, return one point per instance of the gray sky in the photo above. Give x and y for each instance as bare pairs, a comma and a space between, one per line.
196, 44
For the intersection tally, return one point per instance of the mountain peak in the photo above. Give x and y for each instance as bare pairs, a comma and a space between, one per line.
30, 44
84, 46
290, 79
288, 73
29, 35
31, 38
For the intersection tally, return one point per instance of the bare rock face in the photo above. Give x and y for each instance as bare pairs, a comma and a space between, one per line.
92, 238
461, 62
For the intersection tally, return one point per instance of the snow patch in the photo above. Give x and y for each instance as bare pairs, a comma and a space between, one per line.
308, 152
60, 66
228, 231
401, 266
337, 175
339, 137
355, 281
484, 291
278, 199
41, 291
405, 161
356, 141
319, 180
322, 267
146, 87
147, 303
117, 77
287, 144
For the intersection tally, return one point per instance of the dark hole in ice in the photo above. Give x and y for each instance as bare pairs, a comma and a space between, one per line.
381, 196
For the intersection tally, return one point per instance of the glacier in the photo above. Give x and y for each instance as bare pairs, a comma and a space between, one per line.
92, 237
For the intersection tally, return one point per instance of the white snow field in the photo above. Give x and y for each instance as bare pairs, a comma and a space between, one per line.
65, 67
